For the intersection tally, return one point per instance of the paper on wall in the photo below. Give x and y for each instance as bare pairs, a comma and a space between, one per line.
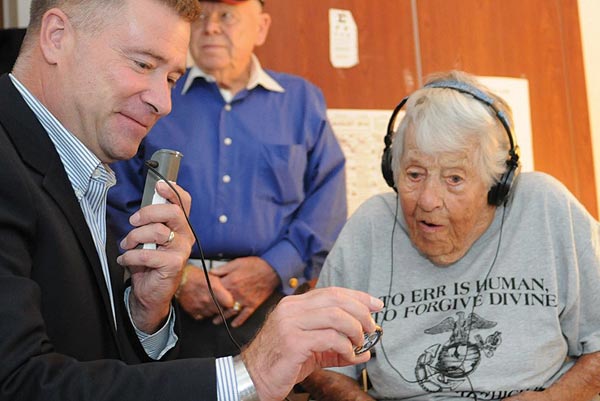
516, 93
361, 133
343, 39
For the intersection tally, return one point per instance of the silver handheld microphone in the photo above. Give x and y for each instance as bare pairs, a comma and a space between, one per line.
164, 164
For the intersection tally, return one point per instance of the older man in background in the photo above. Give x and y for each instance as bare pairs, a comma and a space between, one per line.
263, 167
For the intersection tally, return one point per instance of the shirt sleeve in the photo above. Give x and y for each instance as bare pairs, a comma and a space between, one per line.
226, 380
321, 216
158, 344
581, 275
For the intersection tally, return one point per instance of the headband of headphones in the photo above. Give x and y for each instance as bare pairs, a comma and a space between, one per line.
498, 194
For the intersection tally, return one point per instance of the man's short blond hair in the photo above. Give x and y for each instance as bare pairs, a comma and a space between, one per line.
85, 10
92, 15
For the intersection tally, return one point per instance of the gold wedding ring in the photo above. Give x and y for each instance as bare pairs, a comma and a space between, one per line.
237, 306
171, 237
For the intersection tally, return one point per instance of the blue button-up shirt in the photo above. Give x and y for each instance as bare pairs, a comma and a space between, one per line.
264, 169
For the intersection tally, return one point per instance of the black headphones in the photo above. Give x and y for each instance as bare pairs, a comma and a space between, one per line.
498, 193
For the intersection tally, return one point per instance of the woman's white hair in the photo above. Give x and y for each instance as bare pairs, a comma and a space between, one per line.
447, 120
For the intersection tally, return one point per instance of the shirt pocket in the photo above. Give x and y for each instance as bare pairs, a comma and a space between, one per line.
282, 173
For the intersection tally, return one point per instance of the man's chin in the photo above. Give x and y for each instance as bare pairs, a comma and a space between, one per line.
127, 155
122, 153
127, 144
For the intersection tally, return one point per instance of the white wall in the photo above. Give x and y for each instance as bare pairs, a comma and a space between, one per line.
589, 15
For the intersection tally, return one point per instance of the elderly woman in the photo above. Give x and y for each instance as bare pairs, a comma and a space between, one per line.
490, 279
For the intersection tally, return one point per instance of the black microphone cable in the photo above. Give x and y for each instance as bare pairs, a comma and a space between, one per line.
152, 164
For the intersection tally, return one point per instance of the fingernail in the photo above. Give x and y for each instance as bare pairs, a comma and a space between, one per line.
135, 218
119, 259
376, 303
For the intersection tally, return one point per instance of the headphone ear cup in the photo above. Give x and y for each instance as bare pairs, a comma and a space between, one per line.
386, 167
498, 194
386, 157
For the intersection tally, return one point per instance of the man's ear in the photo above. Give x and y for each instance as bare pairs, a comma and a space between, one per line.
263, 28
55, 34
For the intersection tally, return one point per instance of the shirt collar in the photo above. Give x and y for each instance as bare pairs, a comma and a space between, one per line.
80, 163
258, 76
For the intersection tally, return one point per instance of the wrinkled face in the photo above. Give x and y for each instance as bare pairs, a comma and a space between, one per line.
444, 201
121, 77
224, 36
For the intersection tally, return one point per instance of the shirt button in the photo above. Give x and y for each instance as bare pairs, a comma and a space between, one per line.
293, 282
228, 107
96, 173
223, 219
226, 179
227, 141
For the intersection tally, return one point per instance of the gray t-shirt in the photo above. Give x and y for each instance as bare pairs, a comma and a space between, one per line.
510, 316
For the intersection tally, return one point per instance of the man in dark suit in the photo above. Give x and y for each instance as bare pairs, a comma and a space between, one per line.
91, 79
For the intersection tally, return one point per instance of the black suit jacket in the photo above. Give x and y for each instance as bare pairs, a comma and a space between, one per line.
58, 339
